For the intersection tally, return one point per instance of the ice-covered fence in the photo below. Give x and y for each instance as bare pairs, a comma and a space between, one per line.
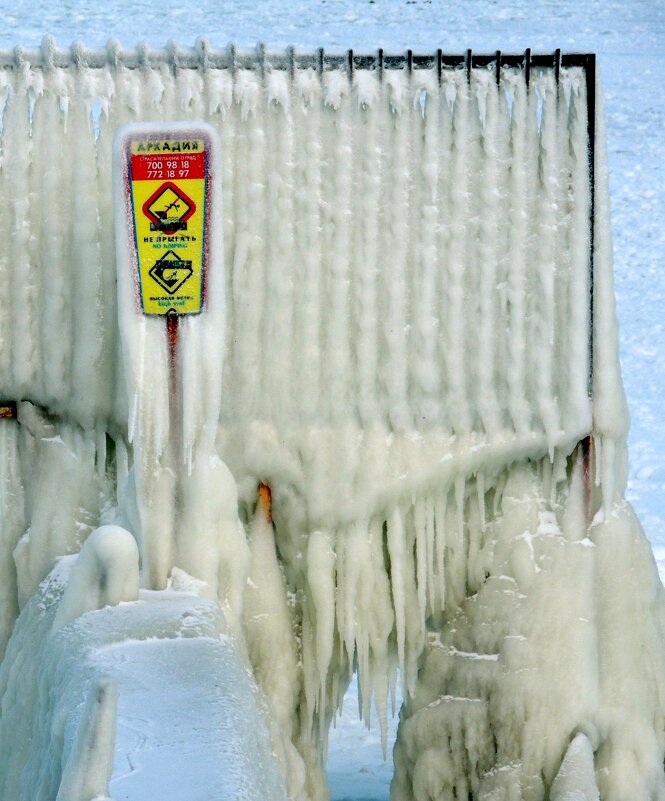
407, 247
420, 330
410, 243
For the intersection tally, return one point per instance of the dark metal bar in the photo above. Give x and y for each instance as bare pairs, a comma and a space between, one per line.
409, 61
143, 55
291, 60
349, 65
483, 60
172, 47
439, 64
233, 58
364, 62
394, 62
557, 64
498, 68
380, 63
591, 134
468, 65
261, 58
453, 62
527, 66
423, 62
204, 53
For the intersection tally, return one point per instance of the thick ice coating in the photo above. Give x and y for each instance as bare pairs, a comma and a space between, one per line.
385, 450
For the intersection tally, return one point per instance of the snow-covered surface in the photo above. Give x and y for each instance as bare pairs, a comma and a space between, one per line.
356, 769
629, 40
175, 726
179, 734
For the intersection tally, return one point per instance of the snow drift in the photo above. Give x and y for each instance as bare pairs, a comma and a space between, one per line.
399, 347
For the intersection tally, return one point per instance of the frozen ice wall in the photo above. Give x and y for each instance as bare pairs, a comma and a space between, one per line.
406, 364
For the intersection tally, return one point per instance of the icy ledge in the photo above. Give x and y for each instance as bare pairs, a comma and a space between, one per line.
189, 720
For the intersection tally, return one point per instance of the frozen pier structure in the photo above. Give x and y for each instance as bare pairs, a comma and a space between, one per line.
410, 339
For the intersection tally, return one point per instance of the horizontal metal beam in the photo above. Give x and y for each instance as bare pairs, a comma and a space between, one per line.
203, 56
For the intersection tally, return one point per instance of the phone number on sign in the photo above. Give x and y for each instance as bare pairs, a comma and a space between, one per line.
154, 168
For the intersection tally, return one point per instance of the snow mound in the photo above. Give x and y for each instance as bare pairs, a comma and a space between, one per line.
558, 633
190, 721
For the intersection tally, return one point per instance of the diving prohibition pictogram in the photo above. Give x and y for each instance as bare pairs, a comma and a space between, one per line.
168, 209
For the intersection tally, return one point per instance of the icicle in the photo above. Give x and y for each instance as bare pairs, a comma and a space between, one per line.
381, 620
425, 379
395, 244
217, 92
576, 777
422, 553
396, 548
546, 261
84, 257
56, 272
248, 282
488, 191
517, 400
321, 580
190, 94
337, 176
267, 621
12, 524
608, 473
440, 511
369, 145
610, 412
480, 489
19, 240
6, 266
279, 348
430, 554
308, 310
460, 491
504, 266
577, 248
456, 366
531, 311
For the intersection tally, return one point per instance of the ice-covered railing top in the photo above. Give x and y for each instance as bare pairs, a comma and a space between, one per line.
414, 246
203, 56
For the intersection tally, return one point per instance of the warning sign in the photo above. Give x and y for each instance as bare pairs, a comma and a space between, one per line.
169, 209
168, 181
170, 272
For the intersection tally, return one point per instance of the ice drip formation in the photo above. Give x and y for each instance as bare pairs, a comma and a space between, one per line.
396, 443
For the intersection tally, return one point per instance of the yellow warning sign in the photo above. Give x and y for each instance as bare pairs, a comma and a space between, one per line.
168, 180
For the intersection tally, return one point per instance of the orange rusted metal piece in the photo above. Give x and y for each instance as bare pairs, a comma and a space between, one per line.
172, 324
265, 501
8, 410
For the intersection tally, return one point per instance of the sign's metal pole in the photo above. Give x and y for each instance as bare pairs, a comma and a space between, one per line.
172, 325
